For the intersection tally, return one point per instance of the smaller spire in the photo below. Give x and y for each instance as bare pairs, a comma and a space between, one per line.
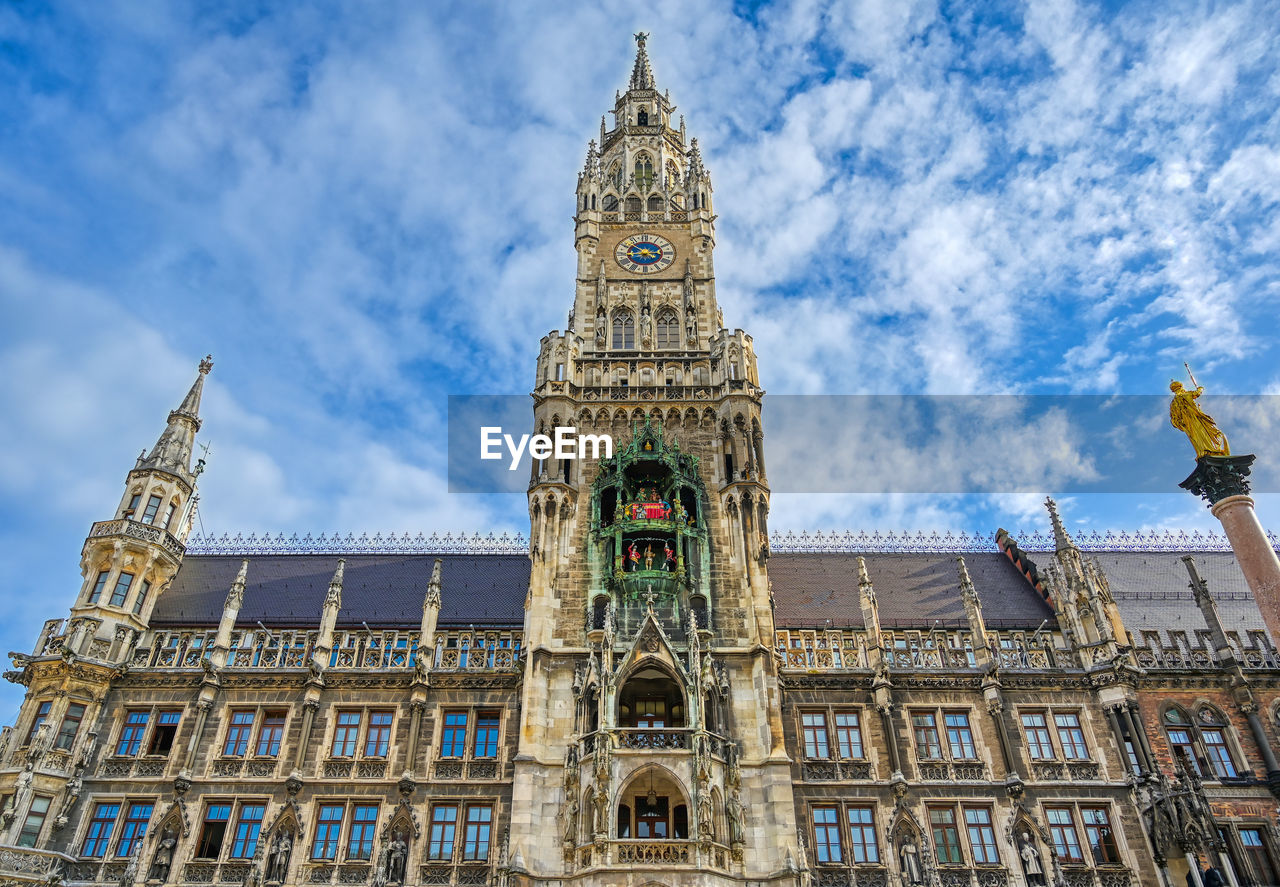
592, 162
334, 596
235, 597
641, 73
966, 584
172, 451
435, 586
864, 580
695, 170
1061, 537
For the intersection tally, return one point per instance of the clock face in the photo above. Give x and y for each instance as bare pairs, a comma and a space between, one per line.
645, 253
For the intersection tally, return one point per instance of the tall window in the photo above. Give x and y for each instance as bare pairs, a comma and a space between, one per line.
644, 173
101, 825
1038, 740
270, 735
214, 831
479, 822
946, 837
34, 822
862, 834
135, 724
248, 828
848, 735
1097, 831
165, 732
132, 507
925, 727
346, 734
1070, 735
486, 741
70, 726
453, 740
238, 734
982, 837
379, 735
42, 715
1062, 829
826, 835
1215, 744
328, 832
615, 173
959, 736
1255, 848
364, 819
1183, 748
142, 597
624, 331
121, 591
153, 508
815, 734
98, 585
444, 821
651, 817
668, 329
134, 828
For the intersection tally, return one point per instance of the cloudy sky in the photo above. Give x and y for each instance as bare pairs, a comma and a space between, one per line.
361, 208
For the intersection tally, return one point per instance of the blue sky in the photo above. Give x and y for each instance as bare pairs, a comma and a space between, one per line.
361, 208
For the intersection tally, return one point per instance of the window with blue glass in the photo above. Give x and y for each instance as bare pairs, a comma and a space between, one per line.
453, 740
328, 832
135, 725
244, 843
101, 824
134, 828
364, 819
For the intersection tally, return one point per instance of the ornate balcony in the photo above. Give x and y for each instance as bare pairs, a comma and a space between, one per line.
131, 529
658, 853
26, 865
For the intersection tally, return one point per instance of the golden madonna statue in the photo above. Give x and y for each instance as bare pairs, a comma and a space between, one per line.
1186, 416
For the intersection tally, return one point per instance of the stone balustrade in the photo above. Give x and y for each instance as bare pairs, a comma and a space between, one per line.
132, 529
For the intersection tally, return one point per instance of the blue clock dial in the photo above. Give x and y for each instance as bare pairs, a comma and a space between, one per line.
645, 253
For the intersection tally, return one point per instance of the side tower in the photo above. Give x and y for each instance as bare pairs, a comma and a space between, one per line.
650, 731
126, 563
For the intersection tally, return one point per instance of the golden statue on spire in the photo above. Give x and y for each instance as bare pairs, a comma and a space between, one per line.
1186, 416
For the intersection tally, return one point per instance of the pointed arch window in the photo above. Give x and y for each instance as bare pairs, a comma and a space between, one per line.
668, 329
610, 203
624, 331
644, 173
673, 174
615, 173
642, 117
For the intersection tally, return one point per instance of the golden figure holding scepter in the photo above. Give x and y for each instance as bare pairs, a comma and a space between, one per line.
1186, 416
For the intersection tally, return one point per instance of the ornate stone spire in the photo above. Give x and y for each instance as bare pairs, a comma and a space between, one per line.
334, 596
1061, 537
590, 169
235, 597
641, 73
696, 170
172, 451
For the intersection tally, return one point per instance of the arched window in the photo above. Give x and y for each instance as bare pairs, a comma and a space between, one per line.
599, 612
642, 118
644, 173
610, 203
673, 174
633, 204
593, 201
615, 173
1202, 747
624, 331
655, 203
668, 329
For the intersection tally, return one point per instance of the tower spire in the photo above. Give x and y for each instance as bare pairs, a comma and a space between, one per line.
172, 451
1062, 539
641, 73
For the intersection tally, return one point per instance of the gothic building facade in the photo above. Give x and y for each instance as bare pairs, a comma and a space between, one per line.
654, 690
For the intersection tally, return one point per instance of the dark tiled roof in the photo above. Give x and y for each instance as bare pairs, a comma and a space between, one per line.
911, 589
382, 590
809, 589
1153, 590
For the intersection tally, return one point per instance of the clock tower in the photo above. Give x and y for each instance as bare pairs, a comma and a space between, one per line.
651, 735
